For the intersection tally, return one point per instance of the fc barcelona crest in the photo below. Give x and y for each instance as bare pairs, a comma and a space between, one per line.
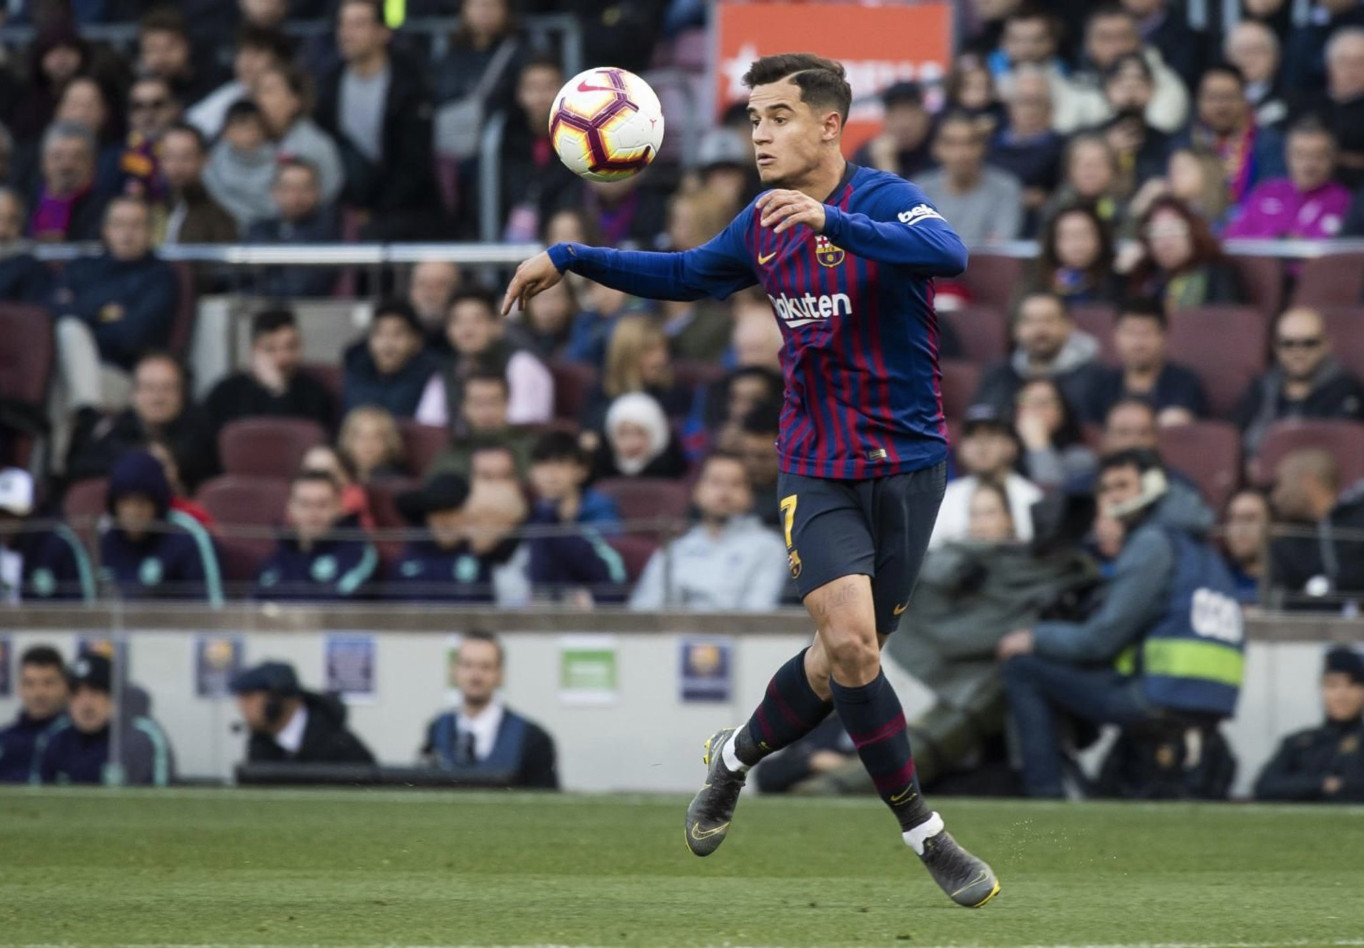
826, 253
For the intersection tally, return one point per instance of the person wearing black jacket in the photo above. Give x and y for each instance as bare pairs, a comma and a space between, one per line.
288, 724
43, 693
23, 278
1326, 763
1317, 568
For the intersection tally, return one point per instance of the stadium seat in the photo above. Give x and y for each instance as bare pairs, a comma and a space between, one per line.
86, 500
993, 279
1345, 329
1344, 439
1207, 452
960, 380
1262, 279
645, 498
1098, 319
635, 549
383, 503
697, 375
983, 331
268, 447
572, 383
27, 350
422, 444
1225, 345
1335, 278
237, 500
332, 377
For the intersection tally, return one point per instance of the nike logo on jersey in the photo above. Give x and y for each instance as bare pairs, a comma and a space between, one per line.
803, 310
919, 212
764, 258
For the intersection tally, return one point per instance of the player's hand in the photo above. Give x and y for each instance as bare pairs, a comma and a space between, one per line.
533, 277
782, 210
1018, 642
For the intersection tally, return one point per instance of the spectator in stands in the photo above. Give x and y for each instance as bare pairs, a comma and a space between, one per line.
67, 205
378, 109
148, 550
1141, 337
86, 102
314, 562
282, 97
1305, 382
43, 694
164, 51
602, 307
485, 739
1164, 25
970, 88
1111, 32
1054, 451
475, 334
1308, 55
1245, 542
1226, 126
189, 215
370, 444
356, 510
159, 408
272, 386
113, 307
430, 290
441, 566
726, 169
988, 452
636, 361
988, 20
757, 445
697, 330
728, 561
484, 421
1091, 177
1068, 667
23, 279
80, 749
257, 49
1026, 146
481, 62
300, 217
1324, 764
638, 441
989, 518
1181, 262
180, 497
1030, 41
982, 203
152, 109
904, 146
1197, 178
719, 412
1306, 205
1076, 259
289, 724
631, 213
391, 367
574, 560
495, 464
535, 183
241, 166
543, 328
1321, 568
1141, 148
1253, 48
1341, 106
1047, 345
58, 56
37, 563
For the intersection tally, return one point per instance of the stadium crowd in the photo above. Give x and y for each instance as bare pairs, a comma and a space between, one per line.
521, 455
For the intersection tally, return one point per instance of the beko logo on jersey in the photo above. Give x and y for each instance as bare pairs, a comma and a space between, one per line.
920, 212
810, 308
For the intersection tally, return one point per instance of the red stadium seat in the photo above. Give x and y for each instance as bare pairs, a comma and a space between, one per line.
1209, 453
572, 383
383, 501
1345, 329
1344, 439
1098, 320
635, 549
1262, 279
332, 377
237, 500
645, 498
27, 350
959, 383
1225, 345
86, 500
983, 331
268, 447
422, 444
993, 279
1337, 278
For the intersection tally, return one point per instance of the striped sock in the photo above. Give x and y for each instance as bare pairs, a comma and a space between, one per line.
789, 710
876, 724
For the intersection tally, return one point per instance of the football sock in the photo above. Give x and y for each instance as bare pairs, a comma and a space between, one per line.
789, 710
916, 837
876, 723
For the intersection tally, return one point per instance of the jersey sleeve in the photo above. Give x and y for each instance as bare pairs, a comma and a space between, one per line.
719, 267
897, 225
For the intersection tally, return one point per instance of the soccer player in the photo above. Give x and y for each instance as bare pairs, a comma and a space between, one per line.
847, 256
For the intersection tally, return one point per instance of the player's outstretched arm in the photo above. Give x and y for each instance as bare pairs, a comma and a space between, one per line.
532, 278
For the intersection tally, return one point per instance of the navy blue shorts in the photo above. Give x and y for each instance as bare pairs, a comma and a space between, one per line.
879, 528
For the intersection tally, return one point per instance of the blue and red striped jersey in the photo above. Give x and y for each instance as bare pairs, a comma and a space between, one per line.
863, 393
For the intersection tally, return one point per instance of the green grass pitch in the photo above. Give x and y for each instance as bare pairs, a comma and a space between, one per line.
364, 868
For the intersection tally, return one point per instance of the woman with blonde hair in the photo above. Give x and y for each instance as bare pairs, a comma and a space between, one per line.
371, 444
636, 361
1198, 178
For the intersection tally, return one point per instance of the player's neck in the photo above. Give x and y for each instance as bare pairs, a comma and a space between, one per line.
823, 179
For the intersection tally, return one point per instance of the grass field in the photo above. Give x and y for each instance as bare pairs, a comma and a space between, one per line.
337, 868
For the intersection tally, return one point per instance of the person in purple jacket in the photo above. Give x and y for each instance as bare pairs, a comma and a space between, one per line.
847, 256
1307, 204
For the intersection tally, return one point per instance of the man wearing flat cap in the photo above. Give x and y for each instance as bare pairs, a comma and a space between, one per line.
288, 723
1326, 763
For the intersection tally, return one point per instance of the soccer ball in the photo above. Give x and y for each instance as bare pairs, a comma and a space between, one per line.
606, 124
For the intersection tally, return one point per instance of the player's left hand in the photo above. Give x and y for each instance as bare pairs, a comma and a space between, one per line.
782, 210
1017, 642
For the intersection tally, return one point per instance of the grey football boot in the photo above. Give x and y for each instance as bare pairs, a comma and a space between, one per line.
712, 809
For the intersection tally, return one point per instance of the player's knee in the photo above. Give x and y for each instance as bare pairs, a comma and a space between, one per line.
853, 655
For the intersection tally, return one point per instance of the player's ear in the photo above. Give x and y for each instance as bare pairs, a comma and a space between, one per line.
833, 127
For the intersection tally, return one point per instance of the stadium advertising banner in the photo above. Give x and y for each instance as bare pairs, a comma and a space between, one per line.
879, 46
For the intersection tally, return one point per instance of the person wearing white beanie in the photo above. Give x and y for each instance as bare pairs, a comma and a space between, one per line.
639, 440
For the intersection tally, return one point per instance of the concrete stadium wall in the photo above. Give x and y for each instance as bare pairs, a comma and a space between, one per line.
645, 738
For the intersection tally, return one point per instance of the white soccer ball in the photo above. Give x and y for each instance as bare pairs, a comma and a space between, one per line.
606, 124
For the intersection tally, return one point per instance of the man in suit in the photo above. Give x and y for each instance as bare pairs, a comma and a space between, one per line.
293, 725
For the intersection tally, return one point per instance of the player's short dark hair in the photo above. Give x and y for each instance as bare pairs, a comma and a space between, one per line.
1143, 307
272, 320
42, 656
486, 375
823, 82
763, 419
558, 446
483, 635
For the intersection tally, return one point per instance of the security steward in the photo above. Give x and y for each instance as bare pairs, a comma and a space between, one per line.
1326, 763
290, 724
